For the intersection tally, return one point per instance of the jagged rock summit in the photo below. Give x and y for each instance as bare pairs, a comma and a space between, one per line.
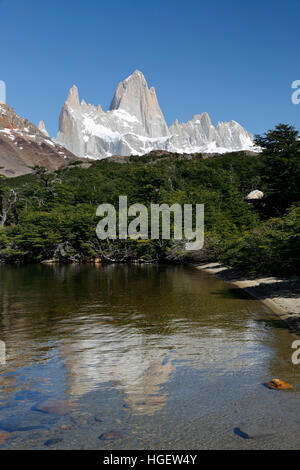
135, 125
134, 97
42, 128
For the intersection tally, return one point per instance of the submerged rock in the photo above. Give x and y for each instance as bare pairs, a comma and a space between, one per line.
16, 423
52, 442
54, 406
241, 433
98, 418
111, 436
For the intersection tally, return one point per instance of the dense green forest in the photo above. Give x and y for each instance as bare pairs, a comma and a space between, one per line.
47, 215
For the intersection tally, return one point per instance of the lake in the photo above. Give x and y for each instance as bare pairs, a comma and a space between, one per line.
140, 357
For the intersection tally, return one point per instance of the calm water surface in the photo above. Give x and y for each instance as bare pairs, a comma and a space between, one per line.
140, 357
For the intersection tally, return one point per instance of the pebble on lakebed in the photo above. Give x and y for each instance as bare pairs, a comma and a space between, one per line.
52, 442
18, 423
277, 384
111, 436
98, 418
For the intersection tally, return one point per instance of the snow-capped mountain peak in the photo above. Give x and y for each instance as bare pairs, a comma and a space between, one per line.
134, 124
134, 96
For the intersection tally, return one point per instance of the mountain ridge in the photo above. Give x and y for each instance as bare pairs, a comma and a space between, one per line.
135, 125
24, 145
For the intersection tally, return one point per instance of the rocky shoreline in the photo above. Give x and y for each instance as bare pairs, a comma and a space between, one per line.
281, 295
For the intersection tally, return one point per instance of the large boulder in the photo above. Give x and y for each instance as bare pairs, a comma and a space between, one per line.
254, 195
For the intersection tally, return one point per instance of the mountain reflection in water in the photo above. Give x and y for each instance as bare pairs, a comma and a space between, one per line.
130, 327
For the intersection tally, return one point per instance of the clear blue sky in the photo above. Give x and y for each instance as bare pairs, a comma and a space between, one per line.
234, 59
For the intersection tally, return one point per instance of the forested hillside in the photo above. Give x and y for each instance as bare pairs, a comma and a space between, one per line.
53, 215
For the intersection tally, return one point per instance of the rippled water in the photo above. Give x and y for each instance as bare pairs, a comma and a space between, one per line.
140, 356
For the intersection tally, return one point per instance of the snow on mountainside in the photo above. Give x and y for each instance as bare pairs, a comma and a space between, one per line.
135, 125
23, 145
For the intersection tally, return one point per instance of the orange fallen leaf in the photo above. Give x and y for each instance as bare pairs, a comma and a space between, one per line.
278, 384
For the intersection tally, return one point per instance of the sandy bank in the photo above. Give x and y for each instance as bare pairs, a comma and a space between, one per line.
282, 295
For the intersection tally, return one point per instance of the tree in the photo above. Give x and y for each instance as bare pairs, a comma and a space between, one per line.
43, 175
282, 139
280, 160
8, 201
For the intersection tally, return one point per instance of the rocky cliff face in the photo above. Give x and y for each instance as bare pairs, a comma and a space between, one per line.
42, 128
23, 145
134, 97
135, 125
